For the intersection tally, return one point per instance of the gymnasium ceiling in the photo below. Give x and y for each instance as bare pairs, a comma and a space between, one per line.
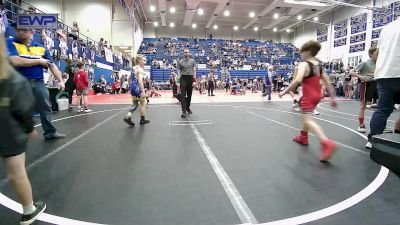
187, 13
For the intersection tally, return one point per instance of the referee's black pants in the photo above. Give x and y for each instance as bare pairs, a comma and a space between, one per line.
186, 91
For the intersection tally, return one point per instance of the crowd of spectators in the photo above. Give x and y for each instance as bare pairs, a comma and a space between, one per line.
234, 55
66, 41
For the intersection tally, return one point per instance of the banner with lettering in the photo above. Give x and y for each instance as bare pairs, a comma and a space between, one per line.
340, 25
322, 31
396, 10
376, 33
341, 33
339, 42
357, 38
357, 47
374, 43
381, 17
322, 39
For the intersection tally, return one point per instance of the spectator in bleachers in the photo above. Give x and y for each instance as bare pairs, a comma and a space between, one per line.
69, 84
75, 30
100, 47
3, 19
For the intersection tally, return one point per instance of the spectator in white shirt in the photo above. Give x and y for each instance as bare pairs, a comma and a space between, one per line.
387, 75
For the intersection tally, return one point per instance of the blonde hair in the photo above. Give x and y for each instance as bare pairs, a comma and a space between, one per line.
138, 58
4, 63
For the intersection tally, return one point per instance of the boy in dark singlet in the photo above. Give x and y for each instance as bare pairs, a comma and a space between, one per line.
368, 90
309, 74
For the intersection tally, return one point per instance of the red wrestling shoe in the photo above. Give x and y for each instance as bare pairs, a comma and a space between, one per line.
328, 148
302, 138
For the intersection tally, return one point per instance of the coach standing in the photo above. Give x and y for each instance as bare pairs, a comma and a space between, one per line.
387, 75
186, 75
30, 58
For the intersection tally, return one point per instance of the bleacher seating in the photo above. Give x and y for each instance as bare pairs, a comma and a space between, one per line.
256, 53
85, 45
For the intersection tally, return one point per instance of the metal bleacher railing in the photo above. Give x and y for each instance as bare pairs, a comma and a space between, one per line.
14, 7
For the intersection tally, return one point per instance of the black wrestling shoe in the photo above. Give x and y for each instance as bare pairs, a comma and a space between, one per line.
30, 218
129, 121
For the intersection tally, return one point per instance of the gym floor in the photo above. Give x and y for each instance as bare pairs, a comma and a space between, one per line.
228, 163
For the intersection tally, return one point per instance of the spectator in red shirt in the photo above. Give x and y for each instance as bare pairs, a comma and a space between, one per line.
82, 85
115, 86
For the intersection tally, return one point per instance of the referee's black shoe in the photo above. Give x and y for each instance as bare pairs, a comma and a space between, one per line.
189, 111
183, 115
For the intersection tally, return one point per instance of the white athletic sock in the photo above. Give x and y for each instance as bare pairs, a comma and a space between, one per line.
129, 114
29, 209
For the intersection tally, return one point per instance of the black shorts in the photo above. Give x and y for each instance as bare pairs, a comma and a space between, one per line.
368, 91
12, 150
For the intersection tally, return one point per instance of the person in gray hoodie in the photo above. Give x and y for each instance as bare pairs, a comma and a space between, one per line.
16, 128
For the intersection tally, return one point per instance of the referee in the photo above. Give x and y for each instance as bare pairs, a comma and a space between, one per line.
186, 75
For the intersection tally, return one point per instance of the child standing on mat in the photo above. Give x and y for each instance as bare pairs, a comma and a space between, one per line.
16, 108
368, 89
309, 74
137, 91
81, 80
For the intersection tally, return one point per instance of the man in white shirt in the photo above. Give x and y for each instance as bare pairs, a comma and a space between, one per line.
387, 75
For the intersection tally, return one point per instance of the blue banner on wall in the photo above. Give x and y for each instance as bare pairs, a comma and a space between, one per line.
396, 10
322, 31
339, 42
374, 43
360, 19
323, 38
376, 33
382, 17
357, 47
341, 33
357, 28
340, 25
357, 38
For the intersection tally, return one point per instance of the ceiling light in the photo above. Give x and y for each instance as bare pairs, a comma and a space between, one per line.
311, 3
276, 16
172, 25
299, 17
288, 30
155, 24
275, 29
252, 14
215, 26
227, 13
200, 12
194, 26
316, 19
172, 10
255, 28
152, 8
235, 27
